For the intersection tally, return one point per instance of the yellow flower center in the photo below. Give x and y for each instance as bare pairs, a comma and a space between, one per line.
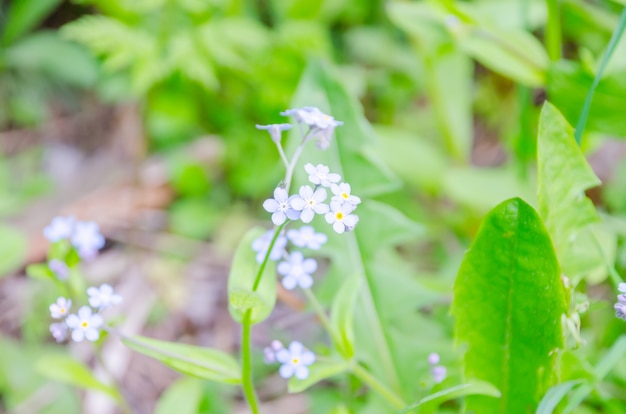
84, 324
295, 360
345, 195
339, 215
62, 310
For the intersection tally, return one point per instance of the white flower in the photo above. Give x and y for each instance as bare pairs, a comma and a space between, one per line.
341, 218
309, 202
87, 239
59, 331
59, 268
84, 325
280, 207
61, 308
302, 115
270, 351
275, 130
297, 271
261, 245
295, 361
433, 358
307, 237
60, 228
103, 297
320, 175
439, 373
342, 194
622, 287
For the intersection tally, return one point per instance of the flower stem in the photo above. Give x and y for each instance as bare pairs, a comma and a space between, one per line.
319, 310
553, 31
379, 387
246, 363
257, 279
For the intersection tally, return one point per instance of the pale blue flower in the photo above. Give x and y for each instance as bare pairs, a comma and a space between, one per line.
61, 308
103, 297
59, 331
59, 268
275, 130
321, 175
295, 360
270, 351
87, 239
342, 194
297, 271
60, 228
280, 207
85, 325
439, 373
433, 358
261, 245
341, 217
307, 237
304, 115
309, 202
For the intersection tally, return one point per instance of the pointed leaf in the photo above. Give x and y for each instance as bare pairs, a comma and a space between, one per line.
342, 314
241, 280
430, 403
555, 395
508, 302
191, 360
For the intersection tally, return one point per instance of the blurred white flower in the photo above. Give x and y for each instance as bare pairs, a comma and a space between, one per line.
85, 325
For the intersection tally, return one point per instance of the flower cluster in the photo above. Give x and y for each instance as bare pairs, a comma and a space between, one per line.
620, 306
295, 360
438, 371
87, 322
85, 236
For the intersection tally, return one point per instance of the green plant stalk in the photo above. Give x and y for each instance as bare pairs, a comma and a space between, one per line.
257, 279
617, 34
247, 382
379, 387
554, 40
319, 310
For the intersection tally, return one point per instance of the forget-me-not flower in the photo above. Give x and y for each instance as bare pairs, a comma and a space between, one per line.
321, 175
310, 202
342, 194
103, 297
60, 228
87, 239
261, 245
306, 236
60, 308
275, 130
620, 306
59, 268
295, 360
59, 331
297, 271
341, 217
270, 351
85, 324
280, 207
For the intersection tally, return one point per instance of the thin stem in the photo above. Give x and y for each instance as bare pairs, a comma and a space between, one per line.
283, 156
617, 34
257, 279
294, 160
553, 31
379, 387
246, 363
319, 310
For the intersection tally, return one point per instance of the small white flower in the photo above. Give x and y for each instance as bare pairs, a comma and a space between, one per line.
433, 358
103, 297
275, 130
310, 202
270, 351
297, 271
295, 361
84, 325
622, 287
60, 228
302, 115
261, 245
321, 175
59, 268
59, 331
439, 373
61, 308
342, 194
280, 207
87, 239
341, 218
307, 237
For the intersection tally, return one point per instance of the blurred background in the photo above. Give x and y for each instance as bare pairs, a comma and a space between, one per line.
140, 114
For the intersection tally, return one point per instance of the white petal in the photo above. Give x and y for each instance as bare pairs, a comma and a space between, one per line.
278, 218
309, 265
280, 194
93, 291
320, 195
270, 205
309, 168
84, 312
297, 202
289, 282
78, 335
286, 371
334, 177
306, 192
330, 218
305, 281
296, 348
321, 208
283, 268
72, 321
293, 214
96, 321
307, 358
92, 334
307, 215
283, 356
339, 227
351, 220
302, 372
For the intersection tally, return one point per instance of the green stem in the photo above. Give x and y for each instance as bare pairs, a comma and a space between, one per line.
617, 34
246, 363
553, 31
379, 387
319, 310
257, 279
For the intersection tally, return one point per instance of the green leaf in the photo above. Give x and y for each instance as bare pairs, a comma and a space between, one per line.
342, 314
563, 177
319, 371
191, 360
508, 302
13, 246
23, 16
40, 271
182, 397
65, 369
555, 395
241, 280
430, 403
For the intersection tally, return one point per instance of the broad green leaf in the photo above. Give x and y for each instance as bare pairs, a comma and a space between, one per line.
508, 302
320, 370
182, 397
65, 369
555, 395
191, 360
430, 403
342, 314
243, 272
13, 246
23, 16
564, 175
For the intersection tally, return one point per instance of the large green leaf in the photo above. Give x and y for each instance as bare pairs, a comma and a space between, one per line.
243, 272
191, 360
508, 302
563, 177
23, 16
